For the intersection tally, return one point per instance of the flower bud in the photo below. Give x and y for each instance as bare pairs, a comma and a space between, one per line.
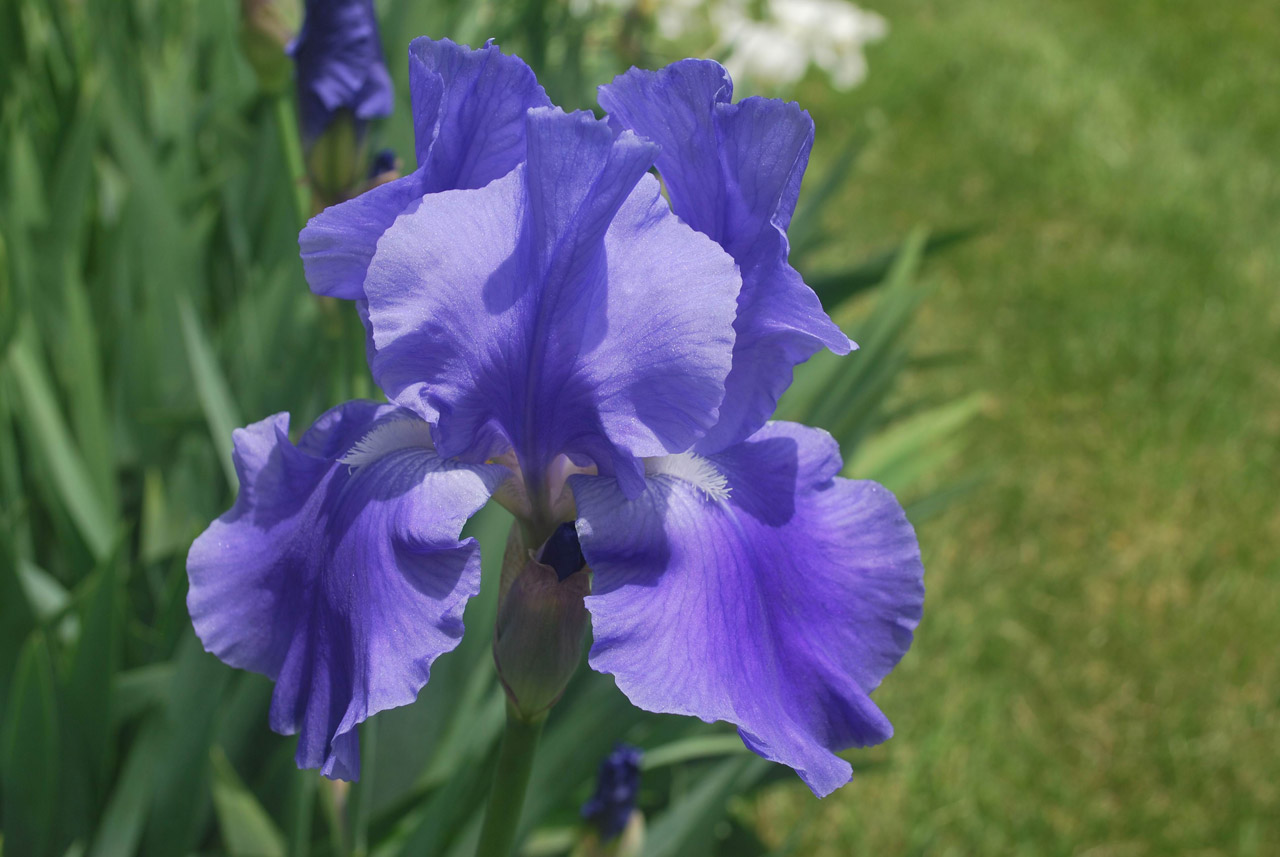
384, 167
537, 641
266, 28
335, 159
617, 786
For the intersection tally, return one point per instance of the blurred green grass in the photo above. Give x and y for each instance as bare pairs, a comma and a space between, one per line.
1098, 669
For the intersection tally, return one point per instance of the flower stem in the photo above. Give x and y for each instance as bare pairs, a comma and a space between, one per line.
510, 781
292, 147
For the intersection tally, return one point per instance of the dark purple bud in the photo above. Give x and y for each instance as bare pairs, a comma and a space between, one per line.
617, 786
383, 162
563, 552
339, 63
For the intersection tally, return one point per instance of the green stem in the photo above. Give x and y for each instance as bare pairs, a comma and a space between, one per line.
361, 802
333, 815
292, 147
534, 24
510, 781
304, 801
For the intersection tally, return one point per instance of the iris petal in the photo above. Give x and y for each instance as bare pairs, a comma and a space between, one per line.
733, 172
561, 309
468, 110
339, 573
777, 606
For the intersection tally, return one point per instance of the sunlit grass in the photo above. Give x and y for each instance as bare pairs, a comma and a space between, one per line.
1098, 666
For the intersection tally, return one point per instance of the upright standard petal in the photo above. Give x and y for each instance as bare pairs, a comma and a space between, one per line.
339, 62
561, 309
339, 573
733, 173
468, 114
757, 587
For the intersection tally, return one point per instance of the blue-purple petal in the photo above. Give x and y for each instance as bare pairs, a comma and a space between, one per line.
757, 587
339, 573
733, 172
338, 243
468, 113
560, 309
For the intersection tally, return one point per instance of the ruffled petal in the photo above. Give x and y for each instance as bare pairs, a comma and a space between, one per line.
339, 573
338, 243
561, 309
757, 587
468, 113
733, 172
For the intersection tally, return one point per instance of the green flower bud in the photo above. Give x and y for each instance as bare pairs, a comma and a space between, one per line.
266, 28
542, 621
335, 161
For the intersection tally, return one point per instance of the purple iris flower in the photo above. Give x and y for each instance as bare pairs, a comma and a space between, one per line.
339, 63
552, 333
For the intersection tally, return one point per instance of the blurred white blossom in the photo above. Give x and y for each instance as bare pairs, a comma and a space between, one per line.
675, 18
771, 42
779, 47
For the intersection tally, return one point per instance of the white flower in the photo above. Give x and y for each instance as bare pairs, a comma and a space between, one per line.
677, 17
760, 50
795, 33
775, 49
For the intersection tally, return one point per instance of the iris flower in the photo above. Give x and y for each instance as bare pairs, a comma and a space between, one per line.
338, 57
551, 332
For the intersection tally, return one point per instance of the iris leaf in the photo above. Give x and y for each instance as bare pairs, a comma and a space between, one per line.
688, 825
90, 689
28, 745
211, 386
246, 828
914, 447
695, 748
48, 434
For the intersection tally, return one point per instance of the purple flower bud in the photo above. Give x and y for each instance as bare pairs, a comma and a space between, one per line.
563, 551
385, 161
340, 66
617, 786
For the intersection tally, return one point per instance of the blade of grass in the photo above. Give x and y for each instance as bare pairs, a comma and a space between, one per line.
89, 694
29, 753
835, 287
83, 378
692, 749
48, 434
894, 310
246, 828
902, 454
695, 814
120, 829
211, 387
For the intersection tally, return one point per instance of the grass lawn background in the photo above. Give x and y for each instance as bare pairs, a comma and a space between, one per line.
1098, 669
